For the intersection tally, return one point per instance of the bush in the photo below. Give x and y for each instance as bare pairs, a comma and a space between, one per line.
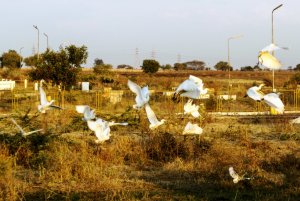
150, 66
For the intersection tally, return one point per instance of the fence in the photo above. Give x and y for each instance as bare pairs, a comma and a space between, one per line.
109, 99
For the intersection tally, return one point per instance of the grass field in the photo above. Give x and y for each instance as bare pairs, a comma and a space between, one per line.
64, 162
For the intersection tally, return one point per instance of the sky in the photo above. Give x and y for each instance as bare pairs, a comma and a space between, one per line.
170, 31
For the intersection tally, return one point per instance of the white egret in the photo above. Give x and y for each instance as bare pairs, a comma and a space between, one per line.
192, 109
266, 59
295, 121
154, 123
24, 134
255, 93
192, 129
102, 128
44, 103
192, 88
273, 100
142, 94
88, 114
235, 176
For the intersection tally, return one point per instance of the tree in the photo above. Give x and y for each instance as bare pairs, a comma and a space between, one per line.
98, 62
150, 66
222, 65
11, 59
297, 68
124, 66
247, 68
180, 66
166, 67
60, 67
195, 65
31, 61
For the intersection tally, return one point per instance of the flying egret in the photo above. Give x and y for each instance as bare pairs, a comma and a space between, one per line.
24, 134
273, 100
154, 123
255, 93
235, 176
192, 88
266, 59
88, 114
192, 109
102, 128
192, 129
142, 94
44, 103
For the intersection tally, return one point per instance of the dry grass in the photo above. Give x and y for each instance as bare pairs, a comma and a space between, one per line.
64, 162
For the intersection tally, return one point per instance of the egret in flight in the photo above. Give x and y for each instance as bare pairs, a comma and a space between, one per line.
192, 88
192, 129
255, 92
192, 109
266, 59
142, 94
273, 100
24, 134
235, 176
44, 103
88, 114
154, 123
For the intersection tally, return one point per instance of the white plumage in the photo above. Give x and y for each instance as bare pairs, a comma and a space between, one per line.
142, 94
192, 109
273, 100
88, 114
235, 176
295, 121
192, 129
24, 134
255, 93
266, 59
192, 88
44, 103
154, 123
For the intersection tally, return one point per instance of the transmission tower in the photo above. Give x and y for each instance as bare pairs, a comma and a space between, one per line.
137, 60
153, 54
178, 58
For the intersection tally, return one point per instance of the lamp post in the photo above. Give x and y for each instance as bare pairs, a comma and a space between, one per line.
228, 46
21, 56
273, 88
47, 40
38, 41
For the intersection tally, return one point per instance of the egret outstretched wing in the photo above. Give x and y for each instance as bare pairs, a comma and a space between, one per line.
192, 129
273, 100
151, 115
269, 61
272, 47
255, 93
142, 94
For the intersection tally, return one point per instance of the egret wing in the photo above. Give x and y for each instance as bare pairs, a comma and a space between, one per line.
232, 173
19, 127
43, 98
269, 61
151, 115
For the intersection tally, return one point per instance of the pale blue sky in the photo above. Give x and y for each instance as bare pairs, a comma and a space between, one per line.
113, 29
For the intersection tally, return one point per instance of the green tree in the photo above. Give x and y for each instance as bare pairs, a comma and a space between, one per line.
150, 66
247, 68
31, 61
195, 65
222, 65
60, 67
297, 68
98, 62
11, 59
166, 67
180, 66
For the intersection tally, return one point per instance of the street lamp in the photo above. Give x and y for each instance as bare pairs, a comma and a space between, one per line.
38, 41
228, 42
21, 56
47, 40
273, 88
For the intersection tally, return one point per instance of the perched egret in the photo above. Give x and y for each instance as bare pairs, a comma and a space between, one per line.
192, 88
192, 109
142, 94
154, 123
192, 129
273, 100
44, 103
255, 93
24, 134
88, 114
235, 176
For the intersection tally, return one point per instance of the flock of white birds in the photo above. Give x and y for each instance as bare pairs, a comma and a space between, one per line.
191, 88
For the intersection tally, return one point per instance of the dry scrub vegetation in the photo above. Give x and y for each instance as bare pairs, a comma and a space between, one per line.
64, 162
